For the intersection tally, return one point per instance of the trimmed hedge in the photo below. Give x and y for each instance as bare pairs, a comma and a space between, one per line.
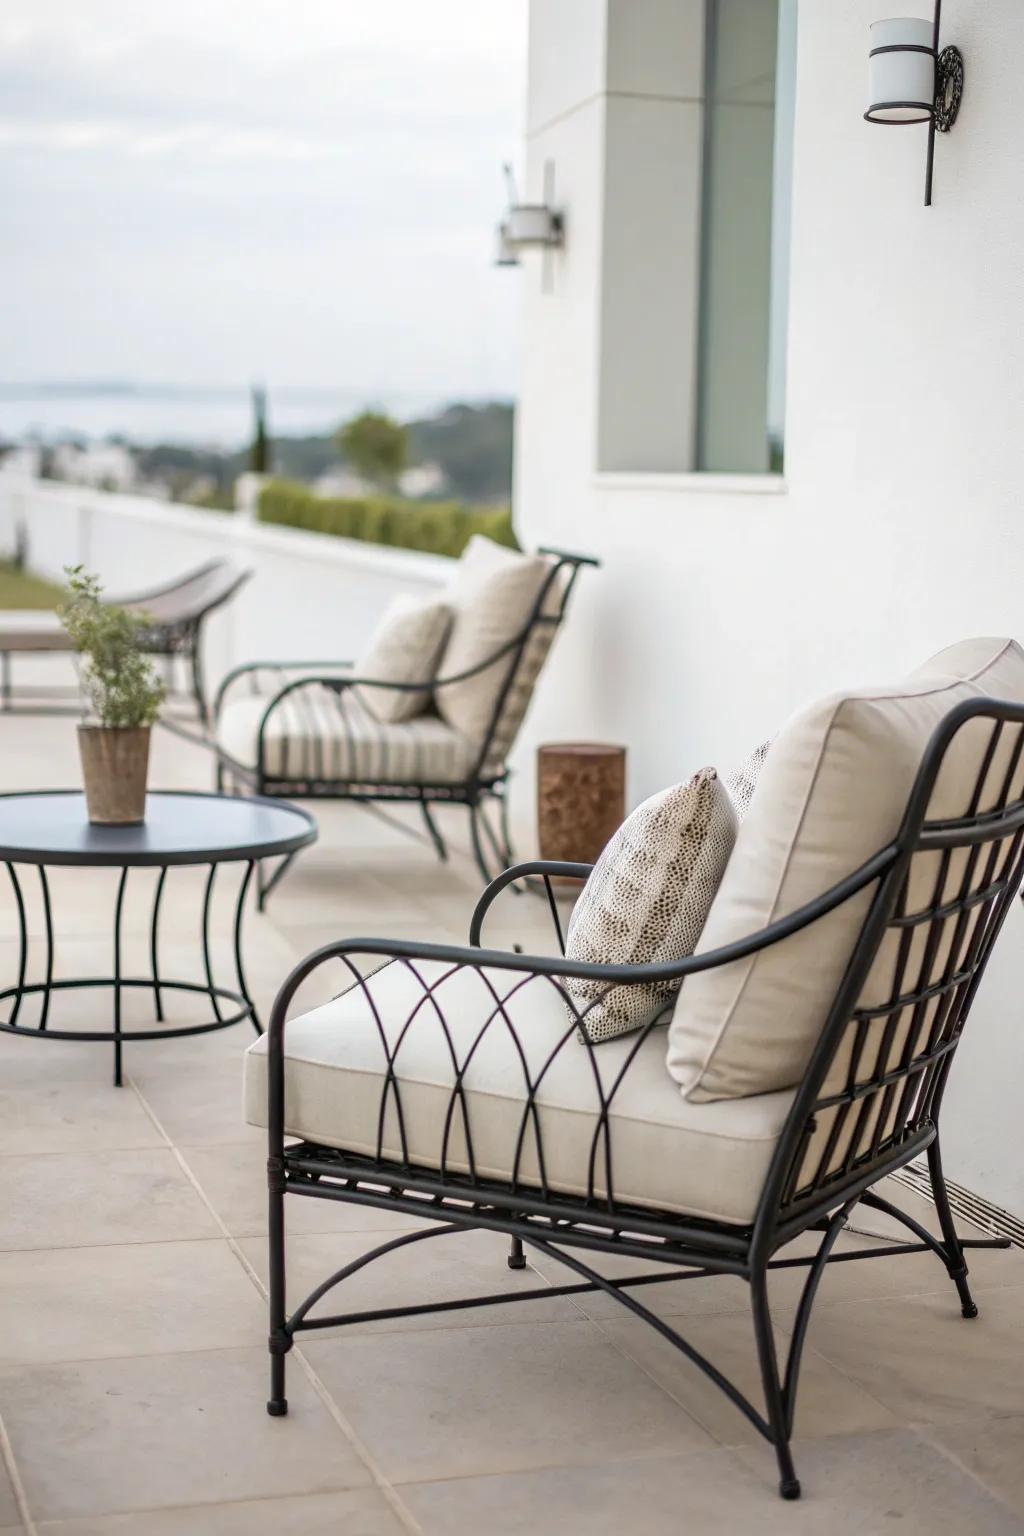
438, 527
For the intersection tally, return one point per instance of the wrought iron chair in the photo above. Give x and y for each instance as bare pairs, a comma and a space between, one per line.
175, 613
860, 1112
311, 739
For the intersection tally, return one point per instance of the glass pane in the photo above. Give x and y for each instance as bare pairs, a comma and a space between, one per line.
750, 92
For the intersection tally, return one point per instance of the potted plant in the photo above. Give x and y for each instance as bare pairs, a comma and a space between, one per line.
120, 692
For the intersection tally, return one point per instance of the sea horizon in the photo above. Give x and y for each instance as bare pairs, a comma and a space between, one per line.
196, 415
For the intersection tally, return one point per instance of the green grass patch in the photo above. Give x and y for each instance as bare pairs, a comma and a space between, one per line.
20, 589
436, 527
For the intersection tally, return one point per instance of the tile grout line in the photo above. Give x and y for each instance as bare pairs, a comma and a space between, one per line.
18, 1487
380, 1482
921, 1429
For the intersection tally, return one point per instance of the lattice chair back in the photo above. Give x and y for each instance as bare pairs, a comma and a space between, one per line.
874, 1086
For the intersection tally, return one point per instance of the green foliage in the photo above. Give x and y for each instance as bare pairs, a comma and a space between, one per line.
260, 454
375, 447
117, 678
438, 527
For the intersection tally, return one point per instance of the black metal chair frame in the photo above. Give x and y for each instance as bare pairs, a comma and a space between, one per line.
183, 636
901, 1088
479, 787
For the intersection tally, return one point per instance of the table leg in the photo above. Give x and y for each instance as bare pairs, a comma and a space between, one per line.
117, 976
239, 915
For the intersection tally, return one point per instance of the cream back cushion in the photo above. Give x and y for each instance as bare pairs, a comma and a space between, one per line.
493, 595
405, 648
832, 792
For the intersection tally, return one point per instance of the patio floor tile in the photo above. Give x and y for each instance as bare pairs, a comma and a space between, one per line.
356, 1512
126, 1299
992, 1449
109, 1436
452, 1402
925, 1361
853, 1486
69, 1199
51, 1102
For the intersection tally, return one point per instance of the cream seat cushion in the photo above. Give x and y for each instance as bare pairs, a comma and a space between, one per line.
493, 594
832, 792
705, 1160
318, 733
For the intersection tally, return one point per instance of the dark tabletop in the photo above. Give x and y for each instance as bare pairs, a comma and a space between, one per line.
53, 828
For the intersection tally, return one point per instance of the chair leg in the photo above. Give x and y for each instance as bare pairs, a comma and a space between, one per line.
478, 847
516, 1256
775, 1403
198, 689
279, 1340
955, 1261
435, 833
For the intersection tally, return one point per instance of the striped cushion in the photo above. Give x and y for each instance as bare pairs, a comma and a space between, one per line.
317, 733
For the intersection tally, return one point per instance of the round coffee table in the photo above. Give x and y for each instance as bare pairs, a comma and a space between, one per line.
52, 829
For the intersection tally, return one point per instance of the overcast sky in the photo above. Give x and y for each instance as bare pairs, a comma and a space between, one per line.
303, 191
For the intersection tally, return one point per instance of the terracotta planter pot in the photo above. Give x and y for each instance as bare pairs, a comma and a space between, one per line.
115, 764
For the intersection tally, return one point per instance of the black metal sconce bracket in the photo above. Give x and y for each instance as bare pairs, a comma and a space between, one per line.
949, 88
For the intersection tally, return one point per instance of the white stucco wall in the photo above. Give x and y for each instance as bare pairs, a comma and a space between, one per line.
724, 605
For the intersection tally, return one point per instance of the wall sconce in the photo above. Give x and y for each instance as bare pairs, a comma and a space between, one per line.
528, 226
910, 81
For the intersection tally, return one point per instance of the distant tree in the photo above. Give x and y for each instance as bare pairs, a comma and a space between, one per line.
260, 454
375, 447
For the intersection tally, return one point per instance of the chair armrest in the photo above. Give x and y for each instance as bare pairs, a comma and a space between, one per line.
556, 967
542, 869
247, 668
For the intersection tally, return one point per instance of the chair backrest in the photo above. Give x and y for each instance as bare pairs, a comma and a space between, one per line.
870, 1097
190, 597
527, 657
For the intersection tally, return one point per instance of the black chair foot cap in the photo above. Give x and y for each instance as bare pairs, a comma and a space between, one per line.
517, 1261
790, 1488
970, 1310
277, 1407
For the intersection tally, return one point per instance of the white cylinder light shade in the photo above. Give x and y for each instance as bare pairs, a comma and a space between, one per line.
531, 224
901, 80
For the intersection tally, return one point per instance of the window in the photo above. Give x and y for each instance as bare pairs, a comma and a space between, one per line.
750, 82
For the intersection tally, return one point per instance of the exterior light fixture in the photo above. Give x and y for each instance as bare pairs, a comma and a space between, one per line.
528, 226
910, 81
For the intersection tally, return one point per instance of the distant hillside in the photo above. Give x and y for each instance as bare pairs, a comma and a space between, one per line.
473, 446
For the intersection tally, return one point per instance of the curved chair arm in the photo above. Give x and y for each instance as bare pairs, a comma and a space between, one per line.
543, 869
245, 668
556, 966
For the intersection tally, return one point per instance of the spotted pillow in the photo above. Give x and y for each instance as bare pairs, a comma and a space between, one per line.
647, 898
743, 782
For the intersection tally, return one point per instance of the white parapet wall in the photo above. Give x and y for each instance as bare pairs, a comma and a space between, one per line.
311, 596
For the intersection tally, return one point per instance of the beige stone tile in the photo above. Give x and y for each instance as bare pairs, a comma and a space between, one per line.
85, 1199
852, 1486
828, 1403
991, 1449
439, 1269
9, 1515
110, 1436
925, 1361
860, 1485
355, 1512
126, 1299
198, 1107
442, 1403
234, 1180
50, 1102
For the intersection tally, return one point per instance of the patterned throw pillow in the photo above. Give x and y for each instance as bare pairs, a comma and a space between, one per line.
743, 782
647, 898
405, 648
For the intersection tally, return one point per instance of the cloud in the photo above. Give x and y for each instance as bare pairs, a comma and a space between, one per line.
304, 190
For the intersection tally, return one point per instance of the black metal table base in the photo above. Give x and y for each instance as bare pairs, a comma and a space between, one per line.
230, 1005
